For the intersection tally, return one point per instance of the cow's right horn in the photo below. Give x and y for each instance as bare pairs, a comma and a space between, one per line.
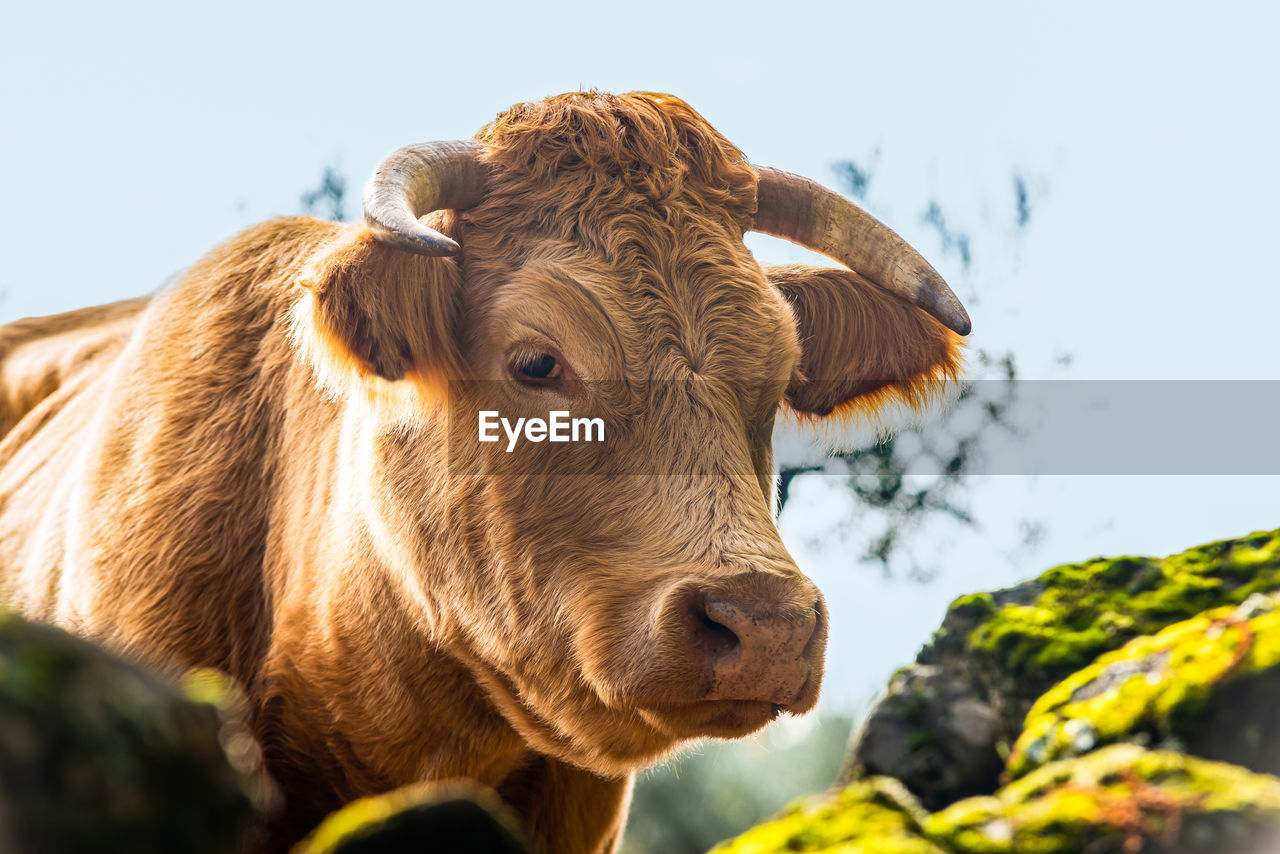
809, 214
416, 180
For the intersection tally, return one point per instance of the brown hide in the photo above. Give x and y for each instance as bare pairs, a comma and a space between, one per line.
272, 468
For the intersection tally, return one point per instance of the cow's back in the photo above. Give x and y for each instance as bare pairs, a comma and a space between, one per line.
136, 469
40, 355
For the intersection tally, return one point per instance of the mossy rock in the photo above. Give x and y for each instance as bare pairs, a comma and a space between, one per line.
459, 819
875, 816
1087, 609
1119, 798
948, 721
1167, 689
97, 755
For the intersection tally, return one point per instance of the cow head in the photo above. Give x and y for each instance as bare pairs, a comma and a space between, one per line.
586, 253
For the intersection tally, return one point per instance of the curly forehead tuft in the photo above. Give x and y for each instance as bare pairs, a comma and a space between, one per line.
637, 148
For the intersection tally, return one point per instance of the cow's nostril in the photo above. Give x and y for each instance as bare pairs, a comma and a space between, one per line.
716, 637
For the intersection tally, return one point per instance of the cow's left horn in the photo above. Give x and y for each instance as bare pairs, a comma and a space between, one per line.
416, 180
809, 214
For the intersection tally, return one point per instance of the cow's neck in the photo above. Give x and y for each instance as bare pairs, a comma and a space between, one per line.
362, 688
355, 677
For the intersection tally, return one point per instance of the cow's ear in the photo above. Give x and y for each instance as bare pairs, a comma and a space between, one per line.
861, 346
376, 313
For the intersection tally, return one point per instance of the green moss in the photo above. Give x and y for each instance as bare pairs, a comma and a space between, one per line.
975, 605
463, 819
875, 816
1120, 796
1089, 608
1153, 687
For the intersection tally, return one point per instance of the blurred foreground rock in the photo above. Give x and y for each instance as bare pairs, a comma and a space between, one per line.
98, 756
873, 816
1077, 712
447, 819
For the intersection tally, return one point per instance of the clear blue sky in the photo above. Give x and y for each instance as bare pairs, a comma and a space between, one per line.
135, 136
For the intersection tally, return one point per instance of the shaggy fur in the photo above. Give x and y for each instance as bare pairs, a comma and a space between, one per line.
271, 468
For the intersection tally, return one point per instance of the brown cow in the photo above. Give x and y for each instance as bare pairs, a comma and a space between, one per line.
272, 467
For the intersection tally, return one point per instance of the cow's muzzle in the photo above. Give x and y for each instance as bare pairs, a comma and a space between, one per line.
751, 653
756, 638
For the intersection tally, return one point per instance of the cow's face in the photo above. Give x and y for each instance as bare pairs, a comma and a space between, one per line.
653, 576
614, 597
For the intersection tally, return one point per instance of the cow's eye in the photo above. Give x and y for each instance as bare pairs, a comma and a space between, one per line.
537, 368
